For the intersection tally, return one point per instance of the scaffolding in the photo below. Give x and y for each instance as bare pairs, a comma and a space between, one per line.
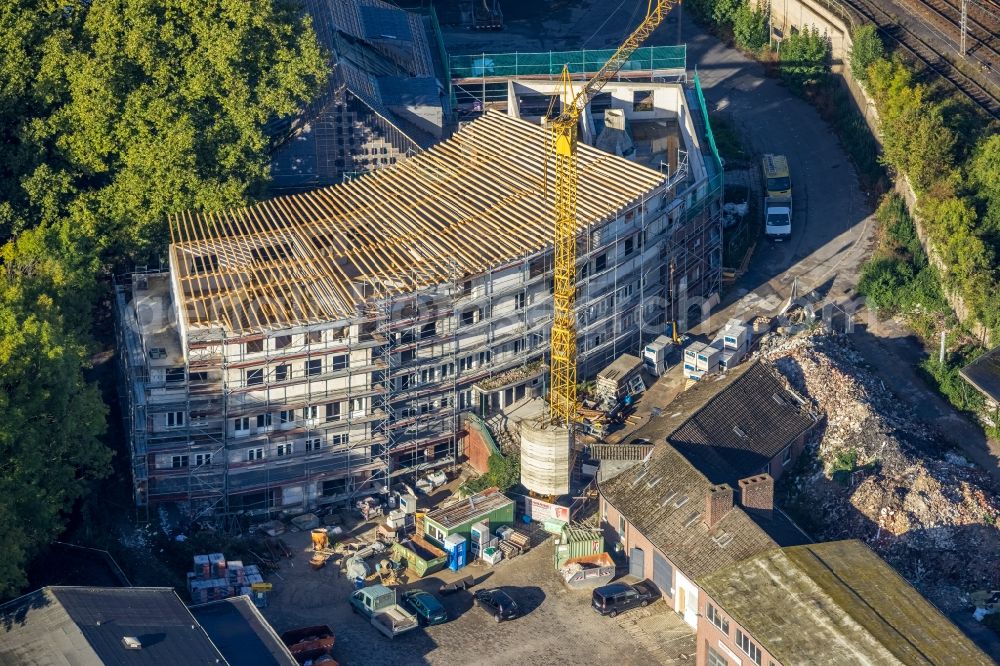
236, 406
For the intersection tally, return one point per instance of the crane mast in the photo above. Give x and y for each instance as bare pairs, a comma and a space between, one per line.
562, 380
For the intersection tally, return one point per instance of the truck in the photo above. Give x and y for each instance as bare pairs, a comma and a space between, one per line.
778, 217
309, 643
378, 604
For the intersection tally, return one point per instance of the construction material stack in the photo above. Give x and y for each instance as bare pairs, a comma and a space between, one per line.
701, 359
735, 341
214, 578
656, 355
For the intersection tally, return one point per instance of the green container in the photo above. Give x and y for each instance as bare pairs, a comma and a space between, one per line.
553, 526
421, 557
577, 542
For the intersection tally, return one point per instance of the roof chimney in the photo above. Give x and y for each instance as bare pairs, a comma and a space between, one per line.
757, 493
718, 502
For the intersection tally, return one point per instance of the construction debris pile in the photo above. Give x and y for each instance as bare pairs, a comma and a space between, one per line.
879, 474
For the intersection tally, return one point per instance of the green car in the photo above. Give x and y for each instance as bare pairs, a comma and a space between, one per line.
425, 606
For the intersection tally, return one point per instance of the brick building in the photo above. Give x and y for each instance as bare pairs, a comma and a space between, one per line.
822, 604
704, 498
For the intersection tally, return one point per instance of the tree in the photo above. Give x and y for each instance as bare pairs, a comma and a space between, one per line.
113, 114
803, 57
750, 28
866, 50
50, 444
157, 106
984, 176
724, 11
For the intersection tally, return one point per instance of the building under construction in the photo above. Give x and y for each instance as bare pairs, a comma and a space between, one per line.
319, 345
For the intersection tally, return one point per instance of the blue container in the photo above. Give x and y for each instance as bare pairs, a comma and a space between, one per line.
456, 547
359, 583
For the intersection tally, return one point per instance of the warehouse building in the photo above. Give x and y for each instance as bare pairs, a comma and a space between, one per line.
318, 345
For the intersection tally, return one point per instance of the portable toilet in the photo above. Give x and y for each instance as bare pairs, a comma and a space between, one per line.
455, 546
479, 535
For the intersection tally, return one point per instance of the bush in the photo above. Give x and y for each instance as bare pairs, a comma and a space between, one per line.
867, 49
750, 28
803, 57
504, 472
898, 278
724, 11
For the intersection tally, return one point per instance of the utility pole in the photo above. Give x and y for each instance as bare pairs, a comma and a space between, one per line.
964, 28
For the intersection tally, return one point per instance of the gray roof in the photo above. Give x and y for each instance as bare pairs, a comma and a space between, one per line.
836, 603
734, 428
984, 374
383, 59
85, 625
241, 633
665, 500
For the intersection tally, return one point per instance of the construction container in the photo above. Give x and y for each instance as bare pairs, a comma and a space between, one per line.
490, 506
479, 534
577, 542
421, 557
694, 375
589, 571
554, 526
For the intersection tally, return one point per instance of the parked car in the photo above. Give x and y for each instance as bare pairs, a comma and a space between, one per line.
425, 606
497, 602
619, 597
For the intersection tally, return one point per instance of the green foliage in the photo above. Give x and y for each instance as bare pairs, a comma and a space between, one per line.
113, 114
803, 57
898, 278
945, 378
984, 178
724, 11
750, 28
866, 50
844, 465
49, 436
504, 472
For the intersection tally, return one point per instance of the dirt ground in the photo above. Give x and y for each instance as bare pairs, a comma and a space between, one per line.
558, 626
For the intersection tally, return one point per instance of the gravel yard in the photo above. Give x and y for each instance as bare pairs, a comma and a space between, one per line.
558, 625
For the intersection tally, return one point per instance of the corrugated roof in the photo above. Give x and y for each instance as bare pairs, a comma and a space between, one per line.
470, 508
836, 603
468, 204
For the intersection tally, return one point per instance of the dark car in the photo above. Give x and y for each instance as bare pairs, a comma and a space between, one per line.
619, 597
498, 603
425, 606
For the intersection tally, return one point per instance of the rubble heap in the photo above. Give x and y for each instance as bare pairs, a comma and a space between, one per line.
879, 474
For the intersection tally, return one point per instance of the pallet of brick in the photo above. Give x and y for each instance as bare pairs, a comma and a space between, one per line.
202, 567
218, 565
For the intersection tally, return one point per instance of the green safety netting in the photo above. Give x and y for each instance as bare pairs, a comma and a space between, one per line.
479, 65
715, 183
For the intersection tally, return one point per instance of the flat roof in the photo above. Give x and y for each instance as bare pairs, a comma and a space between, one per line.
984, 374
86, 625
476, 201
836, 603
241, 633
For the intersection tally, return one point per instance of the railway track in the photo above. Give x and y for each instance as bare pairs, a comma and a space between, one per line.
981, 37
913, 44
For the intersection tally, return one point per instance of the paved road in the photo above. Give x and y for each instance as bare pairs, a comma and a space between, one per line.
832, 227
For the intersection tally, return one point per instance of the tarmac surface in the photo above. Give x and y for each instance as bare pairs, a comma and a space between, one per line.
558, 625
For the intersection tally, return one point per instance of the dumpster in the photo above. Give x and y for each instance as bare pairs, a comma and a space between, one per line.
421, 557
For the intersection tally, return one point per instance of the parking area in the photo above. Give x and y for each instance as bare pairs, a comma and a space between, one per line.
558, 625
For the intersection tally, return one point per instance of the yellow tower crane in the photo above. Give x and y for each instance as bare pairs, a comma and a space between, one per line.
562, 396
